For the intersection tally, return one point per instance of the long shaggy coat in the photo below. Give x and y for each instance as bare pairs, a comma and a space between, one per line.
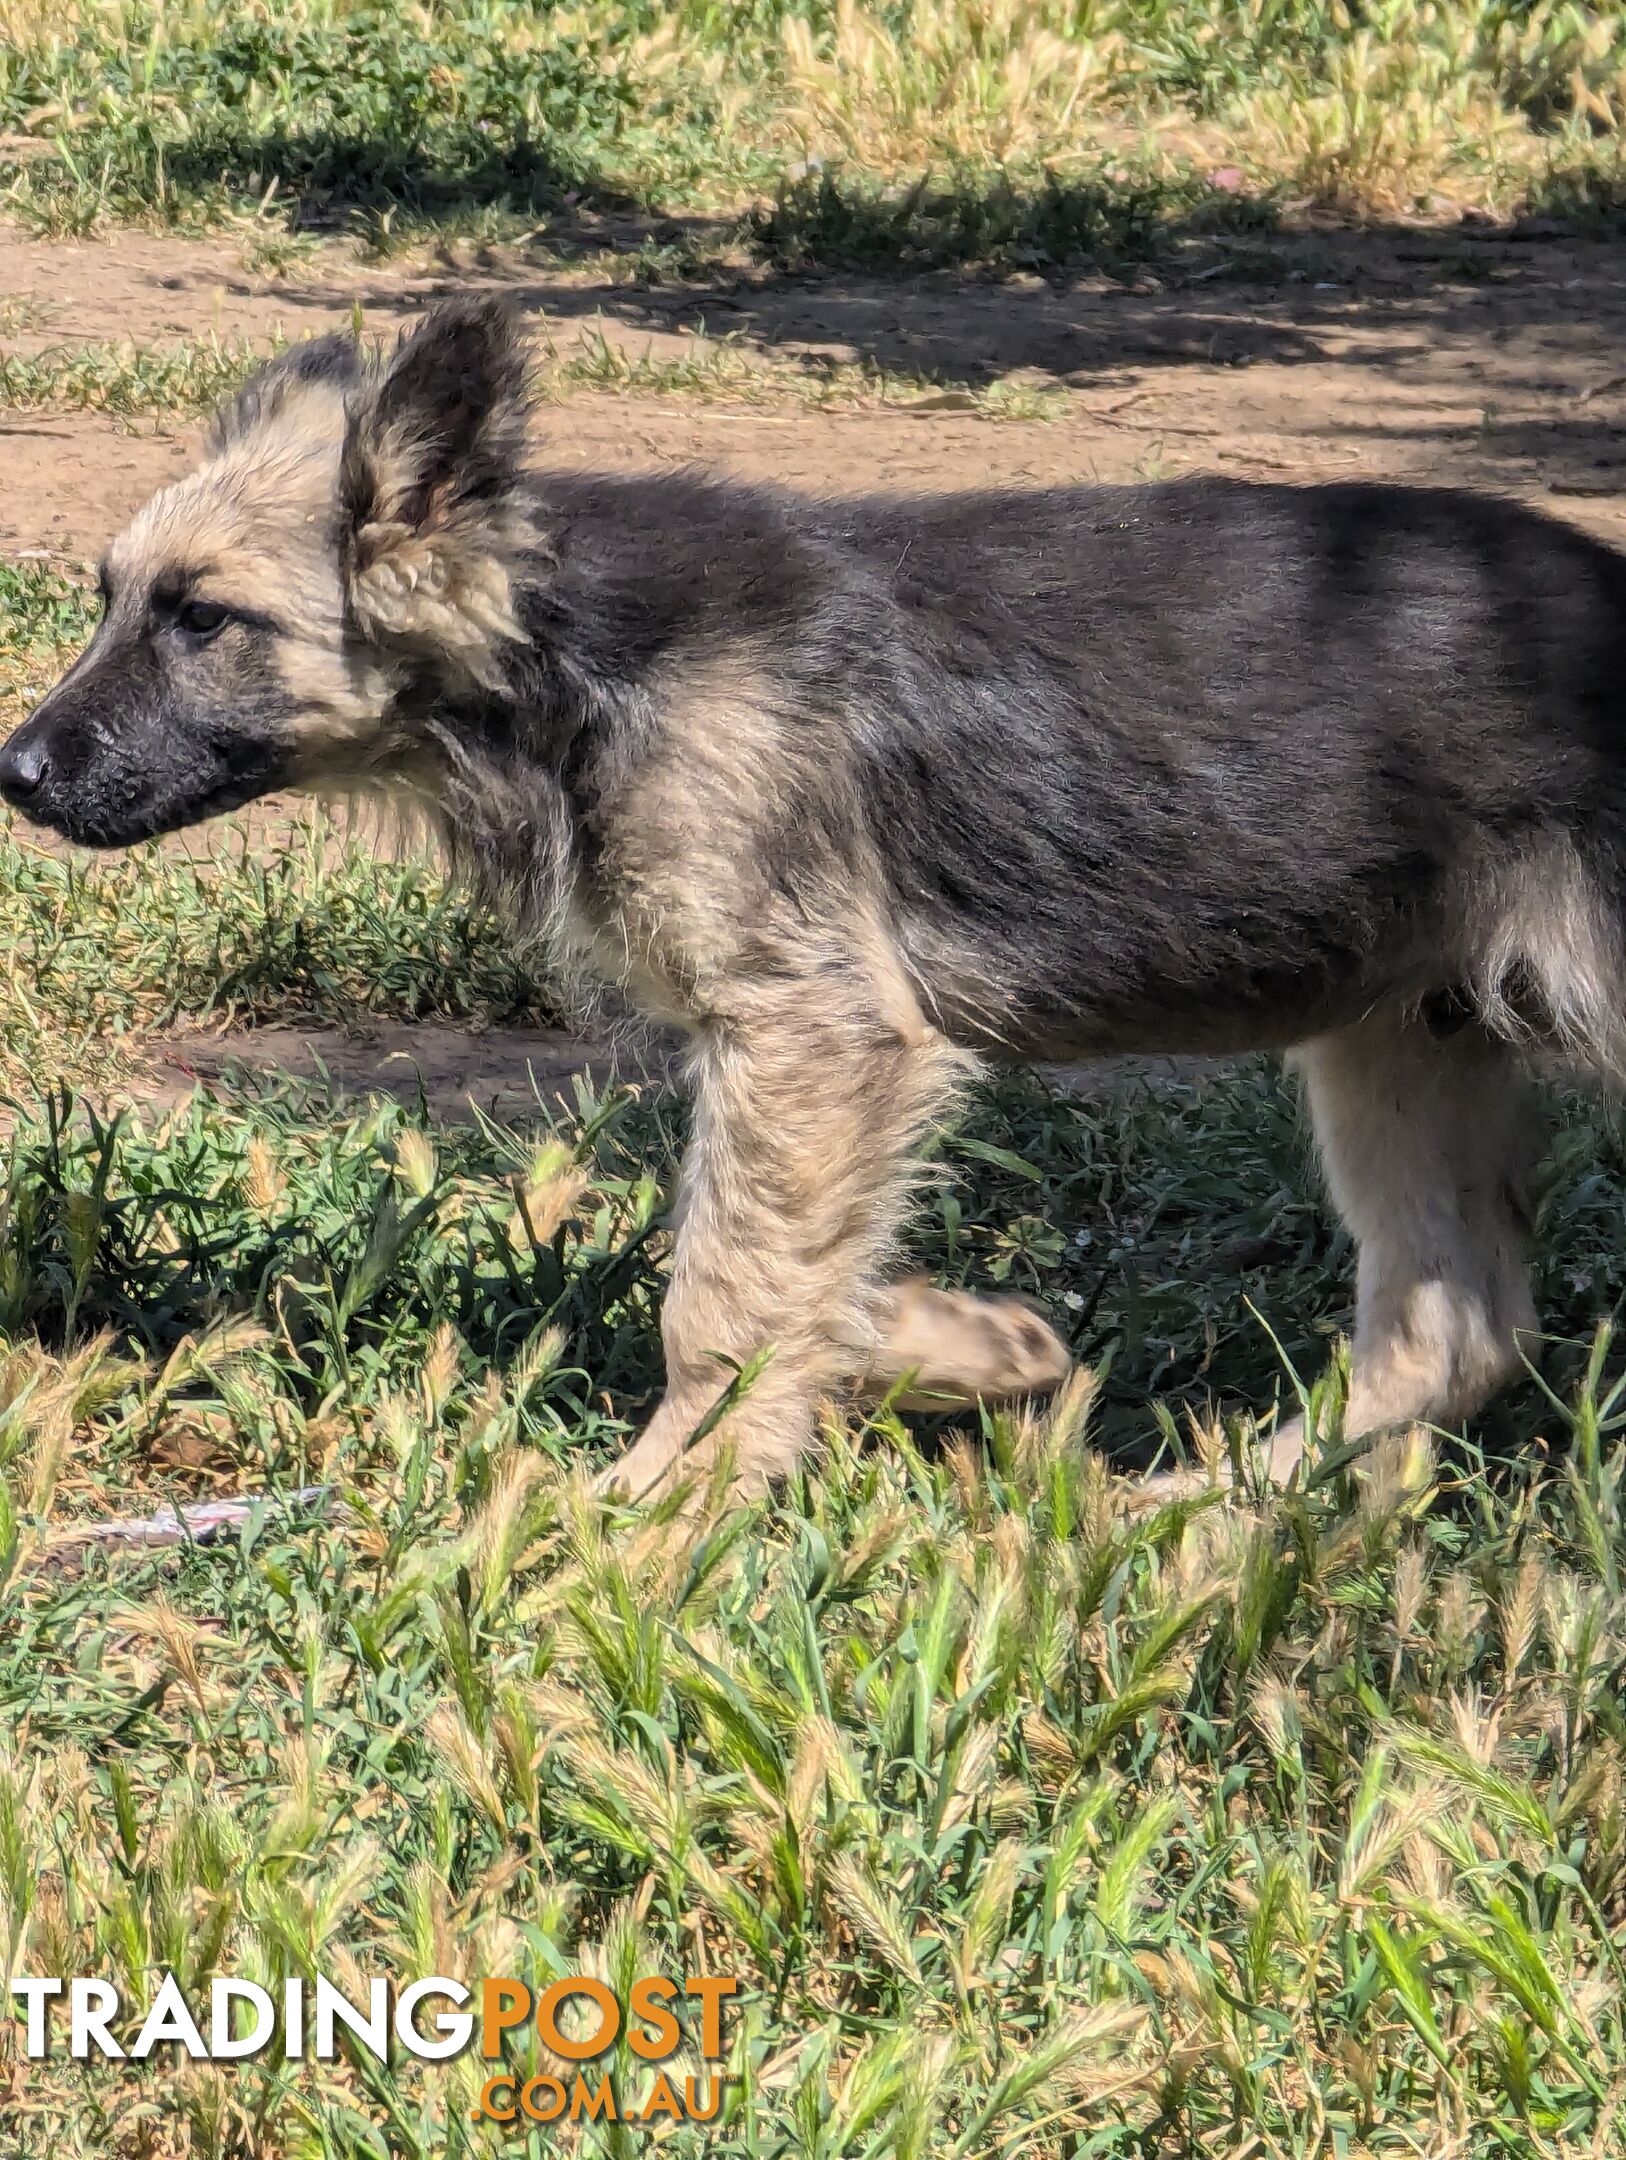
859, 793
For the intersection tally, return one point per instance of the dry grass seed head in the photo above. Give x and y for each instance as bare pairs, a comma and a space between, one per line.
442, 1363
974, 1955
818, 1753
1425, 1872
415, 1163
1411, 1590
1519, 1614
52, 1430
1396, 1476
1459, 1616
498, 1532
263, 1181
1274, 1707
470, 1762
182, 1642
546, 1195
1376, 1844
973, 1774
1476, 1729
871, 1913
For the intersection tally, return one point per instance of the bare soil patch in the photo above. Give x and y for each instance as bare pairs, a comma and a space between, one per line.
1468, 356
511, 1074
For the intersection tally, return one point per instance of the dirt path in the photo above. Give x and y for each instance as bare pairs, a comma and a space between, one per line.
1467, 356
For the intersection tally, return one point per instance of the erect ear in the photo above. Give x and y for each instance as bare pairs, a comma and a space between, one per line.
430, 484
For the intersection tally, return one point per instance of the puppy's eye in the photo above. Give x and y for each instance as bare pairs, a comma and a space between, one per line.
202, 618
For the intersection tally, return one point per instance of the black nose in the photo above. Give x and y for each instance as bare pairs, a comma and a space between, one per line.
23, 766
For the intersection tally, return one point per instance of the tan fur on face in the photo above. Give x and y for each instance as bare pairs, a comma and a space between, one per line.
249, 515
252, 528
255, 529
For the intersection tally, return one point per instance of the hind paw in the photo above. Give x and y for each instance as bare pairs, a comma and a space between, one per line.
955, 1349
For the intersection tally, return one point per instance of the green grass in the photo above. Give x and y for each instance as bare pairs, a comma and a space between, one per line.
1005, 133
125, 378
727, 369
1026, 1825
1029, 1824
134, 381
308, 922
45, 615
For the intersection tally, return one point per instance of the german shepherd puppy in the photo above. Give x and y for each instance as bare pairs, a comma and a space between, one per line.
860, 793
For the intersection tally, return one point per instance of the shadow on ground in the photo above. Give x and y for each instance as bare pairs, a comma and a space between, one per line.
1484, 353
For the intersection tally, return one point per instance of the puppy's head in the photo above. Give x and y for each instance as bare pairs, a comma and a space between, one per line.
353, 527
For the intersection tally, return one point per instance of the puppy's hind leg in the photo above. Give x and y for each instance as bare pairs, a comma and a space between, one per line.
1425, 1140
954, 1348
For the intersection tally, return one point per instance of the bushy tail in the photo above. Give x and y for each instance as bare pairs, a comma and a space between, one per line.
1550, 972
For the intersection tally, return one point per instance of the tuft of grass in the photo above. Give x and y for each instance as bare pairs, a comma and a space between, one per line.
46, 614
125, 378
1374, 110
393, 121
144, 381
726, 368
301, 919
193, 112
1109, 212
47, 611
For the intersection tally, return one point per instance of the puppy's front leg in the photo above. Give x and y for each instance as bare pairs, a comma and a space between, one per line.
795, 1179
